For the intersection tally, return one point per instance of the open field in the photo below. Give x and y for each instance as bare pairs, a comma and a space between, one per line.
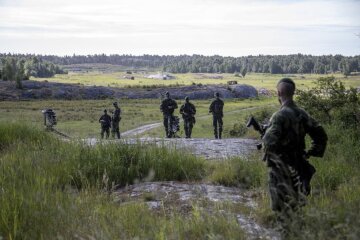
257, 80
80, 118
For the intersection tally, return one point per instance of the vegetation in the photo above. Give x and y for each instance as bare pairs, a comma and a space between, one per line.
56, 189
274, 64
18, 69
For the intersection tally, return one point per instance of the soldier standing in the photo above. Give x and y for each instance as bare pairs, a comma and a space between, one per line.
105, 121
188, 111
167, 107
216, 108
284, 144
115, 129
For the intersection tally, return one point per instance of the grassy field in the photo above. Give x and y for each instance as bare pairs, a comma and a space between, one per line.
258, 80
80, 118
56, 190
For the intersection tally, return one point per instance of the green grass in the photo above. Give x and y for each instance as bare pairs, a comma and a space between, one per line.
80, 118
116, 79
53, 189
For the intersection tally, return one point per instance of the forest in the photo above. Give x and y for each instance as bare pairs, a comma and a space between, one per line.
274, 64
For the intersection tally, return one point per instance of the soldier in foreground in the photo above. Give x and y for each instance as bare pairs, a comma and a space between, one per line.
105, 121
216, 108
284, 144
188, 111
167, 107
115, 119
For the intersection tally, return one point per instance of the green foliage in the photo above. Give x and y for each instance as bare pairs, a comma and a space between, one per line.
295, 63
248, 173
18, 69
329, 101
50, 188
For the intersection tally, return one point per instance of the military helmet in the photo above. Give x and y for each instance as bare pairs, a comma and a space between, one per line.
167, 93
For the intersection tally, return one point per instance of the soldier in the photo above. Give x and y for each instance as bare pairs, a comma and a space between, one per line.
167, 107
216, 108
105, 121
284, 145
188, 111
115, 121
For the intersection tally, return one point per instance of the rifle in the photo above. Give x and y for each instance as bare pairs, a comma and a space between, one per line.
261, 128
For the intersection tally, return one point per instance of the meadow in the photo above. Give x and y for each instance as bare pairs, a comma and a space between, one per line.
53, 189
258, 80
80, 118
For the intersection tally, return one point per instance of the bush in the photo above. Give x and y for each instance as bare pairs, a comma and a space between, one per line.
329, 101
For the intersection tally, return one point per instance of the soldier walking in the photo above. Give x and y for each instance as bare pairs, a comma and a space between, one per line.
188, 111
115, 129
167, 107
216, 108
284, 144
105, 121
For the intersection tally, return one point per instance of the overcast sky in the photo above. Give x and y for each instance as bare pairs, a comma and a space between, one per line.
172, 27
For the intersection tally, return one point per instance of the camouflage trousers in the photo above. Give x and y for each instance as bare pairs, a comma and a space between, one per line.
218, 126
188, 126
115, 129
284, 187
105, 130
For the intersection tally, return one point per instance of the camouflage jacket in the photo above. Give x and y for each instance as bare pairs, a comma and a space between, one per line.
187, 110
116, 115
285, 136
216, 107
168, 106
105, 121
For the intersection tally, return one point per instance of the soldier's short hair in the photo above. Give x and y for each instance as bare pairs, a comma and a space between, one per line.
167, 93
105, 110
289, 86
115, 103
187, 98
217, 94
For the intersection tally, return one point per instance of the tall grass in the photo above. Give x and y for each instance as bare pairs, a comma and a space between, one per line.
239, 172
53, 189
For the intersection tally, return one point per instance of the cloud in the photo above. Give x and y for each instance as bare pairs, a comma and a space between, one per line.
179, 24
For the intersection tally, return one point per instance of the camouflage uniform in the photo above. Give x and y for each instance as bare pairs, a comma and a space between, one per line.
188, 112
105, 121
116, 122
167, 107
216, 108
289, 171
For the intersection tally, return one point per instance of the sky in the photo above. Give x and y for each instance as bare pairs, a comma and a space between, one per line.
173, 27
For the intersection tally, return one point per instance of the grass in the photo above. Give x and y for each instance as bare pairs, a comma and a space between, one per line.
80, 118
53, 189
258, 80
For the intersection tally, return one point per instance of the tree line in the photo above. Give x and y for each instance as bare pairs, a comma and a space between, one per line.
18, 68
274, 64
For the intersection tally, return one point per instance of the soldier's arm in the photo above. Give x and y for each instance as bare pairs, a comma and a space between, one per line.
194, 108
175, 105
318, 137
273, 133
182, 108
211, 107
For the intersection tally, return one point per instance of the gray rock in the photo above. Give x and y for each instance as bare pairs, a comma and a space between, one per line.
244, 91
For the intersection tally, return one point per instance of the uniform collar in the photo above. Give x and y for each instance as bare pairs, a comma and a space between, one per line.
288, 103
